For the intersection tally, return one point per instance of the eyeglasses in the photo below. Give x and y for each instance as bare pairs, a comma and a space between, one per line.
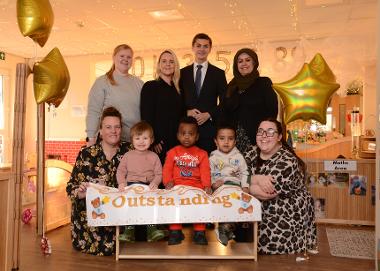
268, 133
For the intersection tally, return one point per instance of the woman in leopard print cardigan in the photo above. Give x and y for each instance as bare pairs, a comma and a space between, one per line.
288, 224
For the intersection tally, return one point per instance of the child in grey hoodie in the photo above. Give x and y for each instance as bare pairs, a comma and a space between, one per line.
227, 166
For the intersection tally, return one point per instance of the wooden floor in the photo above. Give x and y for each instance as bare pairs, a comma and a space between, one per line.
65, 258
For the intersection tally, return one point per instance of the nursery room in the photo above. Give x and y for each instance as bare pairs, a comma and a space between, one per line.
290, 87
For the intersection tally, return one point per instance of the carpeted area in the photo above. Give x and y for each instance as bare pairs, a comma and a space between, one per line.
359, 244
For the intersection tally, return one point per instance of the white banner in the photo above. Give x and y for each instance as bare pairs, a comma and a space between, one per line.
137, 205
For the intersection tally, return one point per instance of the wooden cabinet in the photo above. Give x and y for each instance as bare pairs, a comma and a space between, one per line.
6, 225
57, 204
340, 205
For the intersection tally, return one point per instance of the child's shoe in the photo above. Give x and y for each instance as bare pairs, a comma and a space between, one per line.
199, 238
175, 237
224, 234
128, 235
221, 236
210, 226
153, 234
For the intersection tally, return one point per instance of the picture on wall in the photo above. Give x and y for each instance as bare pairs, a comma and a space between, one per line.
326, 178
358, 185
340, 179
322, 179
311, 179
319, 207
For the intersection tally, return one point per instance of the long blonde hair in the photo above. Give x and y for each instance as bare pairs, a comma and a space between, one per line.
176, 73
117, 49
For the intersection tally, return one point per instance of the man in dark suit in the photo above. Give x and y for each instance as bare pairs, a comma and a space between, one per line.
202, 84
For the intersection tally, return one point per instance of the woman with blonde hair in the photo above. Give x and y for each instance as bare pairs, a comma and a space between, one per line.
117, 88
161, 103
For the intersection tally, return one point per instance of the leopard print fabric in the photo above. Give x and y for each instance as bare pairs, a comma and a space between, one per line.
288, 223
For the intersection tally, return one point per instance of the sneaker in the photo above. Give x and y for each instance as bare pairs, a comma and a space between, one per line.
128, 235
199, 238
210, 226
175, 237
231, 235
221, 236
153, 234
224, 233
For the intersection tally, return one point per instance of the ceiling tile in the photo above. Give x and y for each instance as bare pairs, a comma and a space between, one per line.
97, 26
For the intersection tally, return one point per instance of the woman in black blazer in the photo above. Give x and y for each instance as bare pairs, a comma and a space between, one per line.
161, 103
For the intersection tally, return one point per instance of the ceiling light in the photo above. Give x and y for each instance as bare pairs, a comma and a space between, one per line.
79, 24
166, 15
321, 3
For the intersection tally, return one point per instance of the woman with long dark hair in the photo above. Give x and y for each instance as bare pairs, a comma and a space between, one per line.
278, 175
95, 164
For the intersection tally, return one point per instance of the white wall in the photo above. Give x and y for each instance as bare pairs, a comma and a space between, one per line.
349, 58
369, 97
8, 68
62, 123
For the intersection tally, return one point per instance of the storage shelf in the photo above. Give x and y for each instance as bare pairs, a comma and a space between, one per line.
187, 250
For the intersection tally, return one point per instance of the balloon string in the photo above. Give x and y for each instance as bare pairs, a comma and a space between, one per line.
43, 198
35, 51
43, 209
34, 55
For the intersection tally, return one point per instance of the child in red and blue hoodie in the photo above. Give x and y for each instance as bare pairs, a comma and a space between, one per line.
186, 164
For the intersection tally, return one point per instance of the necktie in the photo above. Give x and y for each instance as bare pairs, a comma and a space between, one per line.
198, 79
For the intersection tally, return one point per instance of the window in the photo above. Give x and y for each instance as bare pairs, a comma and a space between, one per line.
5, 132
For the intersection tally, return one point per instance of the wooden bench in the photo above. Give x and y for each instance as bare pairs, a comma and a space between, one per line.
137, 205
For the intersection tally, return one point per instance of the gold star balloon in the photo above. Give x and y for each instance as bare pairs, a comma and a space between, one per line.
35, 19
307, 94
51, 79
320, 68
